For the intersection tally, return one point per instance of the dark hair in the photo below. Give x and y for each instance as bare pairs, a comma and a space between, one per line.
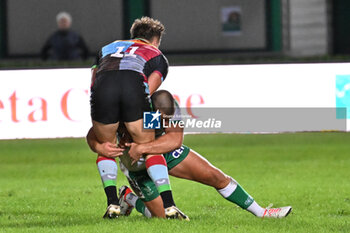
164, 102
147, 28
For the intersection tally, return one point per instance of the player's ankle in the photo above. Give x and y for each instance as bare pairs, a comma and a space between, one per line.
167, 198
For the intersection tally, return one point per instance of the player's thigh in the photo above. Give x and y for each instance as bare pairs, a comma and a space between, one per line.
197, 168
138, 134
105, 132
156, 207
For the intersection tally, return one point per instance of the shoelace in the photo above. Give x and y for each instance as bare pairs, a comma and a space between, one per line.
267, 209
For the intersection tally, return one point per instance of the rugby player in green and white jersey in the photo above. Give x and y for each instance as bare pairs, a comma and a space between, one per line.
137, 174
183, 163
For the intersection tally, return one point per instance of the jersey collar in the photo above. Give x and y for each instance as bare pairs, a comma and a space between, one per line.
145, 41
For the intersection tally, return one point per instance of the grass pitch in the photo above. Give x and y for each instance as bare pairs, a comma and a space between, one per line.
53, 186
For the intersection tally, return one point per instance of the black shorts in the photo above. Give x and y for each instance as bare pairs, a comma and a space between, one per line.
118, 96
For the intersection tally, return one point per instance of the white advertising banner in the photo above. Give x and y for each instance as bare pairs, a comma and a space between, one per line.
44, 103
51, 103
291, 85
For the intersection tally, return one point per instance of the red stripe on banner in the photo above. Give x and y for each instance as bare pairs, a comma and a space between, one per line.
155, 160
103, 158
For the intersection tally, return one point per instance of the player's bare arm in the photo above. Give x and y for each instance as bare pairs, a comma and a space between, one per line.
171, 140
154, 81
106, 149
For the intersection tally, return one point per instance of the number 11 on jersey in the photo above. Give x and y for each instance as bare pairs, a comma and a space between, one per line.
121, 54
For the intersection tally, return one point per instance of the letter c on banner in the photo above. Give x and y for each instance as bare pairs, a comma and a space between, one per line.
189, 104
64, 103
177, 98
1, 106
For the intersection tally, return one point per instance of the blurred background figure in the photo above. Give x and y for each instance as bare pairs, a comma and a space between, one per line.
64, 44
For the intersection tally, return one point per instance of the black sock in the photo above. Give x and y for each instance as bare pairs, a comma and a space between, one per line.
167, 198
111, 193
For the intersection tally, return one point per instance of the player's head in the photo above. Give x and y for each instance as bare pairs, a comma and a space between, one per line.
64, 20
149, 29
164, 102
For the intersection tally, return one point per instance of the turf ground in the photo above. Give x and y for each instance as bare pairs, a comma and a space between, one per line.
53, 185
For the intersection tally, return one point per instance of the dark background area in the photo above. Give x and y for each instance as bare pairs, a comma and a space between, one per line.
271, 32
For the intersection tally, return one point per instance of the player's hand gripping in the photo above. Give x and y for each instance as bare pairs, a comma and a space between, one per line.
135, 151
110, 150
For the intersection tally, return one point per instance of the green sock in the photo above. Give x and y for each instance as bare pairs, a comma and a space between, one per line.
233, 192
140, 207
240, 197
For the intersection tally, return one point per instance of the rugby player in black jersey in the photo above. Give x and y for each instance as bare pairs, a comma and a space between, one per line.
125, 74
